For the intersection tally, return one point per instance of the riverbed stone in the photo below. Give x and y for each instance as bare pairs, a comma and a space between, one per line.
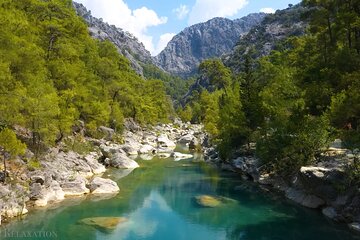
186, 139
92, 160
120, 160
307, 200
208, 201
330, 212
146, 157
75, 187
104, 223
103, 186
181, 156
248, 165
164, 142
145, 149
355, 226
322, 181
42, 195
163, 155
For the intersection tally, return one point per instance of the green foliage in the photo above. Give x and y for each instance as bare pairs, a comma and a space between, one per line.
175, 86
10, 146
185, 114
233, 130
210, 115
78, 144
34, 164
295, 144
52, 73
216, 72
293, 102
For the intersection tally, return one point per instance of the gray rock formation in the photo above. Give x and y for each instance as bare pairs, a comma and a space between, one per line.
259, 41
75, 187
206, 40
265, 37
127, 45
120, 160
299, 196
103, 186
12, 200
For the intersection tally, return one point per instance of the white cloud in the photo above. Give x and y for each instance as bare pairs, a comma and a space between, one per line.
135, 21
267, 10
163, 41
182, 11
204, 10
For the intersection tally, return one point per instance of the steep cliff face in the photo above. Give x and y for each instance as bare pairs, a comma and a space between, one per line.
202, 41
127, 44
259, 41
267, 36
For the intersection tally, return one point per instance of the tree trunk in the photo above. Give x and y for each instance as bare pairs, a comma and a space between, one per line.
349, 37
330, 31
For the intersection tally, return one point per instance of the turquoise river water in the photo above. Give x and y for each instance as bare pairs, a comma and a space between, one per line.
158, 201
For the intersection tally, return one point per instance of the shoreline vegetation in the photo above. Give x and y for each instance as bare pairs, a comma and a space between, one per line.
71, 106
75, 169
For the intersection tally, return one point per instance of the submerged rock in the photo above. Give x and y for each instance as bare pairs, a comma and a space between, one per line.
208, 201
120, 173
213, 201
146, 157
104, 223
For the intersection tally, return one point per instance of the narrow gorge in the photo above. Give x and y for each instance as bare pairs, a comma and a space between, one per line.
243, 125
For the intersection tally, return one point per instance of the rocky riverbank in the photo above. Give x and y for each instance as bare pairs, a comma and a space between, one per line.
322, 186
61, 173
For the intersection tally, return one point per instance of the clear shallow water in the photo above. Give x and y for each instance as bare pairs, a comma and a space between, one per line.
158, 200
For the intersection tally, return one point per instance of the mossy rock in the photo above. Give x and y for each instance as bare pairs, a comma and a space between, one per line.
103, 223
213, 201
208, 201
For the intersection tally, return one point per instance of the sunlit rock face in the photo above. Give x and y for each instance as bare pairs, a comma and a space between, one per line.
206, 40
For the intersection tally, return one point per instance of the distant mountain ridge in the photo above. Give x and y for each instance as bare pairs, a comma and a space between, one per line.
202, 41
127, 45
267, 36
259, 41
219, 37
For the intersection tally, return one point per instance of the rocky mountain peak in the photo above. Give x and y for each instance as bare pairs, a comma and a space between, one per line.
202, 41
127, 45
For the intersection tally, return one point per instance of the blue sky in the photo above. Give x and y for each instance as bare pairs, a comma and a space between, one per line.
155, 22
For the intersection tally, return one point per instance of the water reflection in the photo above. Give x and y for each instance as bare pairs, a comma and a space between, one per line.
158, 203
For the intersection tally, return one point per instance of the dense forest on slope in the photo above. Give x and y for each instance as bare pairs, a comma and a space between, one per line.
293, 102
269, 35
175, 86
52, 74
